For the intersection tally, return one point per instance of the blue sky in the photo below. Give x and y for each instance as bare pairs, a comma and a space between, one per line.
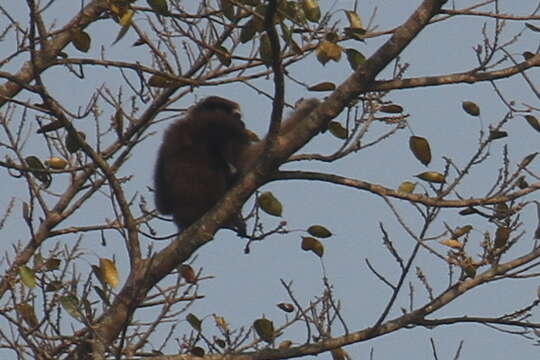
246, 287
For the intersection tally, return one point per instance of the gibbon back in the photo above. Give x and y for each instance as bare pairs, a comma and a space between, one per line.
201, 156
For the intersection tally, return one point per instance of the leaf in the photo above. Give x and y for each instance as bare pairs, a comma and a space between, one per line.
460, 231
197, 351
28, 314
52, 264
56, 163
270, 204
227, 8
220, 342
285, 344
81, 41
125, 22
391, 109
339, 354
522, 183
327, 51
407, 187
354, 20
264, 329
501, 237
312, 244
118, 122
188, 274
265, 50
533, 121
27, 276
101, 293
109, 272
249, 30
432, 177
469, 268
53, 125
312, 10
532, 27
319, 231
497, 134
54, 285
221, 323
224, 56
160, 81
287, 307
453, 243
34, 163
194, 321
323, 86
527, 55
159, 6
468, 211
501, 211
527, 160
471, 108
70, 303
355, 58
420, 149
72, 143
338, 130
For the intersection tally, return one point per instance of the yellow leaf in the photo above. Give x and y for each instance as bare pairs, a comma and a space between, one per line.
327, 51
432, 176
311, 10
453, 243
109, 272
407, 187
56, 163
354, 20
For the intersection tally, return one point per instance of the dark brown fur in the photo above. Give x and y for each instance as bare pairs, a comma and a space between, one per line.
201, 156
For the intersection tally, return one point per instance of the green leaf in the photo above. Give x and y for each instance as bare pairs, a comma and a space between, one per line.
27, 276
270, 204
194, 321
319, 231
159, 6
70, 303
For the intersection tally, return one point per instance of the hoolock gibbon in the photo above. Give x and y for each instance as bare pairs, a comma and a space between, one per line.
201, 156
